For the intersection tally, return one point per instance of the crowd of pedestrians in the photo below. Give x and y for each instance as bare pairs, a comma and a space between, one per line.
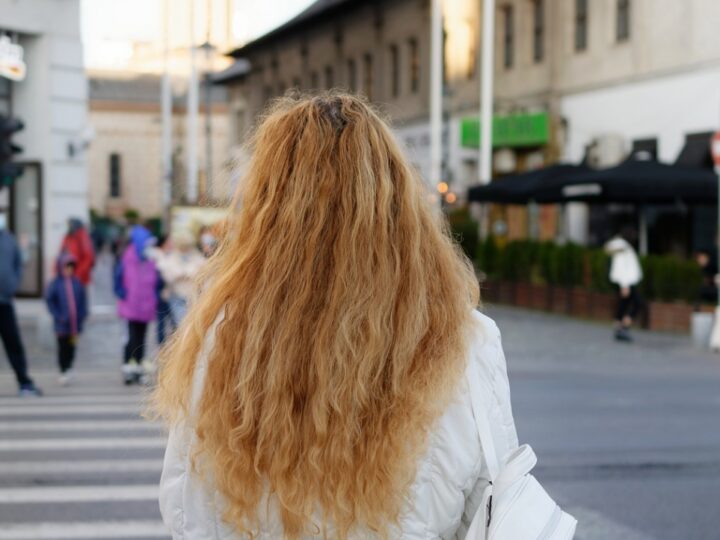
153, 280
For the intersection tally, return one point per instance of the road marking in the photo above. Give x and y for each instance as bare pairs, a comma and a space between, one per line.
61, 410
593, 525
121, 443
73, 399
73, 494
32, 426
84, 530
86, 466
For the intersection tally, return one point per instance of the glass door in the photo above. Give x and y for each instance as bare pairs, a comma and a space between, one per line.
26, 223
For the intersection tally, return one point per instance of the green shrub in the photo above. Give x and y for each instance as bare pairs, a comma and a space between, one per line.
488, 256
465, 231
599, 263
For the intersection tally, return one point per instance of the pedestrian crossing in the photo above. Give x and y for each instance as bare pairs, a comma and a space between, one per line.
80, 462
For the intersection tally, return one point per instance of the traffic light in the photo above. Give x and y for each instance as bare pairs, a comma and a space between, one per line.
9, 171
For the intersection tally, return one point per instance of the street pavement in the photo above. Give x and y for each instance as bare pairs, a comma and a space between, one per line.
627, 436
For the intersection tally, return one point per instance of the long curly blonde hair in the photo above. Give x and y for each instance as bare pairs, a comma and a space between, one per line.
346, 309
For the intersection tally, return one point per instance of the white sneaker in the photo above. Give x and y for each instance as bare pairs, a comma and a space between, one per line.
131, 372
148, 367
64, 379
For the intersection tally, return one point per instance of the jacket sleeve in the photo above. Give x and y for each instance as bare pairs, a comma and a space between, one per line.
185, 503
82, 302
53, 302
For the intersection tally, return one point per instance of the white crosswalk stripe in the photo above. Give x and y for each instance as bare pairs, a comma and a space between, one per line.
80, 531
74, 461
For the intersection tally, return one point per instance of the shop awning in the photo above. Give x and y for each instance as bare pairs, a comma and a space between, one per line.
636, 182
696, 152
633, 181
521, 188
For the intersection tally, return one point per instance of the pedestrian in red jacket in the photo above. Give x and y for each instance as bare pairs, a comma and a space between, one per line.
77, 243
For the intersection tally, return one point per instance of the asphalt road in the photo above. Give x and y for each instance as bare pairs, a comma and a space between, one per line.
628, 436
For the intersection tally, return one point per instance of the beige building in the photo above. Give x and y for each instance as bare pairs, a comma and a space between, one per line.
574, 79
125, 157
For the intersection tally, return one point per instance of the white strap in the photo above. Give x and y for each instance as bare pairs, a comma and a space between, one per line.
520, 463
482, 422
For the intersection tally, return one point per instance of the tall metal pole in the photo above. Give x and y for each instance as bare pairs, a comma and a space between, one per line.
208, 105
486, 91
436, 61
192, 116
166, 105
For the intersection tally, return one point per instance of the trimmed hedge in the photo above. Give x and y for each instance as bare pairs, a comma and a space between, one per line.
666, 277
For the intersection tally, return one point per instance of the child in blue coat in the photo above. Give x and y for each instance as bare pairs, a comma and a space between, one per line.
67, 303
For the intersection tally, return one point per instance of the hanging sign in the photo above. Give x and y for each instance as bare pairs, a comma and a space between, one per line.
12, 65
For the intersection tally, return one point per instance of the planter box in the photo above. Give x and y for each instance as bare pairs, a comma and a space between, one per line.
505, 292
540, 297
670, 317
580, 302
489, 291
522, 294
559, 300
602, 306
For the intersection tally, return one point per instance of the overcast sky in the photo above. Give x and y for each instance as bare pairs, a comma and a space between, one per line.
110, 26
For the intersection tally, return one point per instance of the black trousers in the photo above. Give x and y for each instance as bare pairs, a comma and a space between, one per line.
66, 352
627, 306
135, 347
10, 334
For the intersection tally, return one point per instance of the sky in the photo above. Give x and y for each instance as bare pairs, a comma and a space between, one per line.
109, 27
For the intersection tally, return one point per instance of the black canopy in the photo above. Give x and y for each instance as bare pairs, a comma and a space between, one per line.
634, 181
521, 188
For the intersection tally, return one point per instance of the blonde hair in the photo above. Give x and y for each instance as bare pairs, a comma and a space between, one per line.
346, 311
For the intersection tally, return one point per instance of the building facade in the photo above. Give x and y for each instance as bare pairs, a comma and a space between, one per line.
574, 80
125, 157
51, 100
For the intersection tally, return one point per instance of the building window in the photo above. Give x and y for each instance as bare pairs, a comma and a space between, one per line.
581, 25
508, 38
414, 51
623, 20
115, 175
329, 77
368, 75
351, 75
394, 71
538, 30
314, 80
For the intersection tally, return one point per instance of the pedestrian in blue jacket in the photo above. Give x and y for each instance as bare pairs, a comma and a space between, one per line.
67, 303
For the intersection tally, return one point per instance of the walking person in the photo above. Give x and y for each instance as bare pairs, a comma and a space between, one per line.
136, 285
178, 269
626, 274
66, 300
11, 266
77, 242
333, 378
165, 323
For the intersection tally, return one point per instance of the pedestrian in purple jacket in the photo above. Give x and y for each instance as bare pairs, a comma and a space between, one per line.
136, 281
67, 303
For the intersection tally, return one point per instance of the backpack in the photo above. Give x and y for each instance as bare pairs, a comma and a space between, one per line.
514, 506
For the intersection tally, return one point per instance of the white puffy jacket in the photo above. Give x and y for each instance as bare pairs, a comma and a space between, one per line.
450, 477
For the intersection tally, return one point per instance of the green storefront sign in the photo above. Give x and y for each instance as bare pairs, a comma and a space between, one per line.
508, 131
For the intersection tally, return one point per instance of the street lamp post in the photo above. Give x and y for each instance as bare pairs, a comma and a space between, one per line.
208, 49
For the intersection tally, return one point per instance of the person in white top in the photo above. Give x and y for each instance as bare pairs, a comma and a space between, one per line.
626, 274
329, 379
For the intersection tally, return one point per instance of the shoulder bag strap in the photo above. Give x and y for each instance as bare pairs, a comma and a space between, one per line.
482, 422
